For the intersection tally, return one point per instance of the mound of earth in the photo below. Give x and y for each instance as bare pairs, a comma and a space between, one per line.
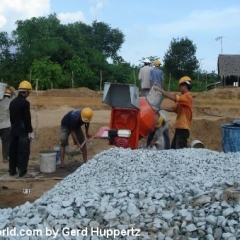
70, 92
220, 93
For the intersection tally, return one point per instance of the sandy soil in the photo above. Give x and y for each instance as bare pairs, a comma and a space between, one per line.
211, 109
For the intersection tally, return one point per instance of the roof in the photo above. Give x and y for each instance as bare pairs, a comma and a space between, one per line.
228, 65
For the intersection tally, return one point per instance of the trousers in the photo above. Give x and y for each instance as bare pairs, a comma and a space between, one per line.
5, 137
180, 139
19, 152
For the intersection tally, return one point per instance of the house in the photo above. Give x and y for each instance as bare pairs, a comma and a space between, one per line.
229, 69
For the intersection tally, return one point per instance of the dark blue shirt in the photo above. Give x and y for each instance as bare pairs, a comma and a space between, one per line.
72, 120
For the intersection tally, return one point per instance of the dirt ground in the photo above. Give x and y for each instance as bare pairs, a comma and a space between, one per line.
211, 109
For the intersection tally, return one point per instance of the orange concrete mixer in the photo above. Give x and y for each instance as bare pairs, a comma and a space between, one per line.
132, 117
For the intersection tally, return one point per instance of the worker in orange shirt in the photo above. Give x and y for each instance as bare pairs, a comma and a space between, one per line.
183, 109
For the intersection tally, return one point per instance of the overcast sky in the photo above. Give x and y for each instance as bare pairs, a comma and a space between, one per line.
148, 26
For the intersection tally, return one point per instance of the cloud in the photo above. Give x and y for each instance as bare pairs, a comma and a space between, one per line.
207, 20
13, 10
71, 17
98, 7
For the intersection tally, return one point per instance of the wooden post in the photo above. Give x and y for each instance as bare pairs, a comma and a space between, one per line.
100, 87
36, 87
206, 81
134, 76
170, 76
72, 80
36, 119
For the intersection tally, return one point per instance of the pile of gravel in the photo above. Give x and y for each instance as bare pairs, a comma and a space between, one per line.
137, 194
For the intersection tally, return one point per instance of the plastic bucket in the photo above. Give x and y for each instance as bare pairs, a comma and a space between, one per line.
230, 139
155, 99
197, 144
47, 161
2, 90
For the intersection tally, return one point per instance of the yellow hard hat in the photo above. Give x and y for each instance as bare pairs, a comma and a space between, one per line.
159, 122
86, 115
25, 85
157, 63
8, 92
184, 79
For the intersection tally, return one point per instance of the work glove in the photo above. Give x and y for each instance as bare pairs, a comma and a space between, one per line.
31, 136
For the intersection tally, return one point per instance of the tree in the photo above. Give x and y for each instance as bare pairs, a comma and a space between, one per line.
60, 55
48, 73
105, 39
79, 70
180, 59
6, 58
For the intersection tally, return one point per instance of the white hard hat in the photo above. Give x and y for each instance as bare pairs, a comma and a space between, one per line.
146, 60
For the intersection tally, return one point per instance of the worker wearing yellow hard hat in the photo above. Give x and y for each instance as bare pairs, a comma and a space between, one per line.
71, 123
5, 121
21, 131
156, 75
183, 108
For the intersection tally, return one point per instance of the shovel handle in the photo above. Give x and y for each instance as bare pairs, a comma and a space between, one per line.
83, 143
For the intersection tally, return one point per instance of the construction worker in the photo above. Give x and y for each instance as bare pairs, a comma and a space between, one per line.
159, 137
5, 122
21, 132
156, 75
143, 76
183, 109
71, 124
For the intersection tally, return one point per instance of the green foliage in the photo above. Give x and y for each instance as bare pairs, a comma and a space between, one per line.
60, 55
7, 60
200, 81
180, 59
81, 55
49, 74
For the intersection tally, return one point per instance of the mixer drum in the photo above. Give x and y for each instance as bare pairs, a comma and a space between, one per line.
148, 118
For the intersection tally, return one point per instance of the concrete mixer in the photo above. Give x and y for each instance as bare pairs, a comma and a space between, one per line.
132, 117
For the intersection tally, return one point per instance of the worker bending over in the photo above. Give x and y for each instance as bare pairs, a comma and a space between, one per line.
71, 124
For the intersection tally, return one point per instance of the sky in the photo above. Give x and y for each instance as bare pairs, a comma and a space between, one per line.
148, 26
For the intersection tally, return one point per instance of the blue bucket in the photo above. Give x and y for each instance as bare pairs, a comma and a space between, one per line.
230, 137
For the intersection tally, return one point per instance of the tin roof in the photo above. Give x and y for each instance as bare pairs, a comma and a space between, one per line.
228, 65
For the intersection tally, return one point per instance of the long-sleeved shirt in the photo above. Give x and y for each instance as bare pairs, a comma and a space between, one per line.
20, 116
4, 113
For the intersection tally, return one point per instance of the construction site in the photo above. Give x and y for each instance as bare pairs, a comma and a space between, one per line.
211, 109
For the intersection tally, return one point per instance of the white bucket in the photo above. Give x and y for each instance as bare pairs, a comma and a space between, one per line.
2, 90
197, 144
47, 161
